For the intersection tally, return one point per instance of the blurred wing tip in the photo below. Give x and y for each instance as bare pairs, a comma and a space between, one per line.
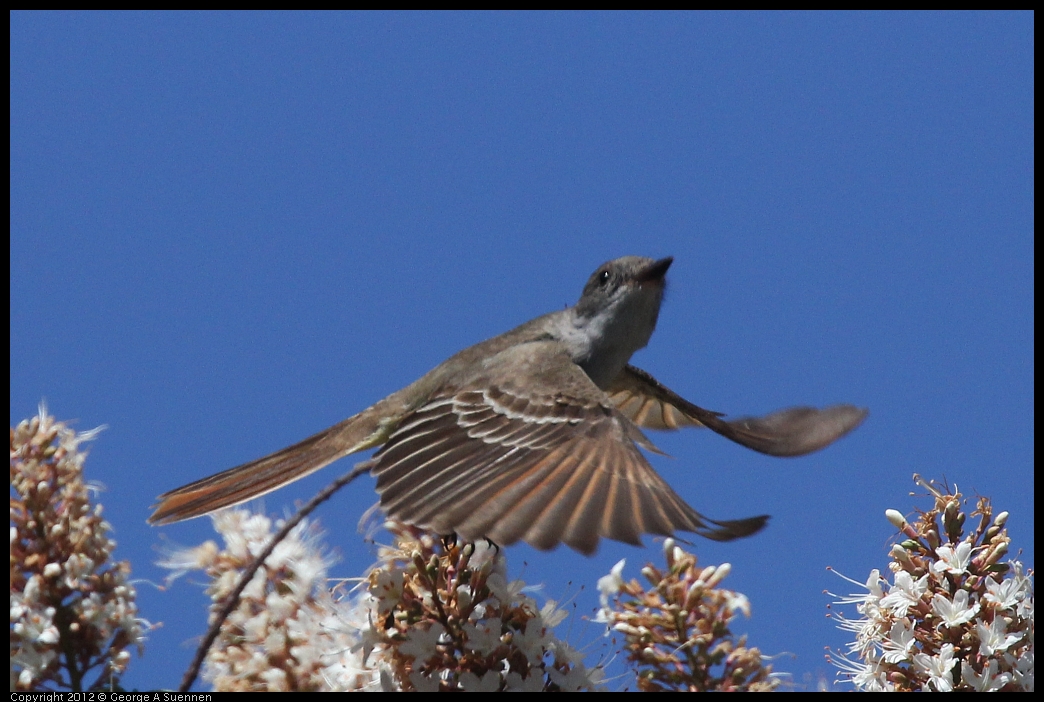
860, 412
795, 431
856, 413
735, 529
848, 416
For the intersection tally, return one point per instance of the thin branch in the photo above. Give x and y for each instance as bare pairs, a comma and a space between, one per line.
233, 598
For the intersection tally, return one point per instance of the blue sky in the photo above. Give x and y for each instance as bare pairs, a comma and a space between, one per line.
229, 231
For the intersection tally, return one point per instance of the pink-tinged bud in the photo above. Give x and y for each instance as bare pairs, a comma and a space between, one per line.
932, 537
896, 518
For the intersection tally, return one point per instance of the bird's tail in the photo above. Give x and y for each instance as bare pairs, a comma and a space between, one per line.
272, 472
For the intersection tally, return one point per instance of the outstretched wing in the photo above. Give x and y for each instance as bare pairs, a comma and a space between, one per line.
530, 449
647, 403
789, 432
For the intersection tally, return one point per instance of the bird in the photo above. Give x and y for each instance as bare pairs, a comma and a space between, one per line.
533, 435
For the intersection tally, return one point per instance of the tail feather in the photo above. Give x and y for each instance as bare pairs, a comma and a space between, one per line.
250, 480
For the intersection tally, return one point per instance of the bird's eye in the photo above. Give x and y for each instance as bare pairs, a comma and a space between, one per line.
603, 278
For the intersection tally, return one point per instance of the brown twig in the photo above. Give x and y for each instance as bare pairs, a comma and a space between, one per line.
248, 574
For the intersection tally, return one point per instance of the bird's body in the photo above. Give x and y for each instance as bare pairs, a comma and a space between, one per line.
532, 435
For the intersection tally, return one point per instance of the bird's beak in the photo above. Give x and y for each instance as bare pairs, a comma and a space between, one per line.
654, 272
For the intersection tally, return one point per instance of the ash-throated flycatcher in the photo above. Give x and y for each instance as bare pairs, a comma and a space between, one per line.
533, 434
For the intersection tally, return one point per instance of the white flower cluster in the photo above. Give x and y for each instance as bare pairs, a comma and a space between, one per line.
677, 630
286, 632
443, 616
954, 618
430, 616
73, 612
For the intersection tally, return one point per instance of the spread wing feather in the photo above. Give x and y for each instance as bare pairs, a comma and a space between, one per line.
795, 431
537, 454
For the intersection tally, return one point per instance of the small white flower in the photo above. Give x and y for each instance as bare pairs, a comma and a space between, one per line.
899, 642
49, 636
609, 585
955, 612
994, 638
387, 590
504, 591
576, 678
988, 681
939, 668
867, 675
737, 602
953, 560
906, 593
483, 637
420, 644
551, 615
1022, 669
1005, 594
